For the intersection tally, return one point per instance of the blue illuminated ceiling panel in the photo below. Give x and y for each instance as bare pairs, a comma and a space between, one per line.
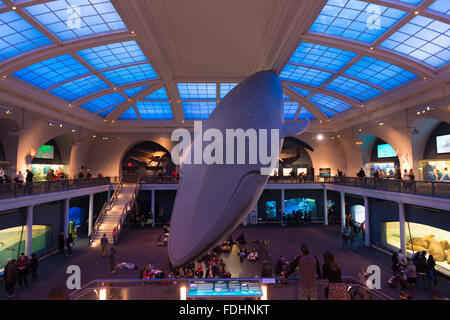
69, 19
130, 114
305, 75
327, 112
106, 112
386, 75
134, 91
305, 114
225, 88
79, 88
355, 89
154, 110
130, 74
18, 36
198, 110
160, 94
1, 3
112, 55
424, 39
330, 102
301, 91
356, 20
195, 91
321, 56
285, 97
290, 110
47, 73
413, 2
109, 100
442, 6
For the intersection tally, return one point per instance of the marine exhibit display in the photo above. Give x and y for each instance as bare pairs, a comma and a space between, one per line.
216, 194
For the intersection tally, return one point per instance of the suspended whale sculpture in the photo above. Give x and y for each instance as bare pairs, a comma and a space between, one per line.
220, 180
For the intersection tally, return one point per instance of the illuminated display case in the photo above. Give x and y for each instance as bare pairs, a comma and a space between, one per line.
424, 238
40, 170
434, 170
224, 288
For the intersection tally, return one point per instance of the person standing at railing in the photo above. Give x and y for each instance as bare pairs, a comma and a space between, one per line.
29, 182
104, 243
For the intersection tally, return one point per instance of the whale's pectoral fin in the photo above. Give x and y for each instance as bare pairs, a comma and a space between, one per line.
294, 128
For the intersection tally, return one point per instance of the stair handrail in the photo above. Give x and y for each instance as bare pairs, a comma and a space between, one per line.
106, 206
126, 209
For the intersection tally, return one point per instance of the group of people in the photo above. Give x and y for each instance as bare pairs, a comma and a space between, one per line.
18, 271
409, 272
299, 216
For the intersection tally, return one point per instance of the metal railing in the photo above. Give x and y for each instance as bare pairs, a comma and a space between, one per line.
126, 209
91, 290
15, 190
106, 206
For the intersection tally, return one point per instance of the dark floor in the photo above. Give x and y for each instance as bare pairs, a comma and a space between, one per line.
139, 247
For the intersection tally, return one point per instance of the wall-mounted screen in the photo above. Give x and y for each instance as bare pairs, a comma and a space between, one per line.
443, 144
271, 209
224, 288
385, 151
45, 152
305, 205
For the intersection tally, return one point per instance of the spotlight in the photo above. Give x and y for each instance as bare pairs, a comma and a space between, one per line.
320, 137
381, 123
360, 129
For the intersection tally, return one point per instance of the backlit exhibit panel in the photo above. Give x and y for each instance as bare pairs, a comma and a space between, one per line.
40, 170
424, 238
358, 213
12, 241
232, 288
385, 151
434, 170
388, 168
443, 144
304, 205
45, 152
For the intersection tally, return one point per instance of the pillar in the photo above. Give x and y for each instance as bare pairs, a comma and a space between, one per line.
367, 221
91, 213
325, 207
153, 208
29, 237
401, 219
283, 223
66, 218
342, 211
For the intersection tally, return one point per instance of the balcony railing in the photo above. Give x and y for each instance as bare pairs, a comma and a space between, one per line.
15, 190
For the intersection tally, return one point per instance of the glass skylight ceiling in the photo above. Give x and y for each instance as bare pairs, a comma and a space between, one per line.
52, 71
198, 110
301, 91
355, 89
290, 110
305, 114
442, 6
130, 114
154, 110
160, 94
304, 75
356, 20
380, 73
195, 91
321, 56
69, 19
113, 55
225, 88
330, 102
107, 101
79, 88
18, 36
130, 74
423, 39
134, 91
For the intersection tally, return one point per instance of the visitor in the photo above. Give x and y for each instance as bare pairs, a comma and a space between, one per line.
19, 178
376, 174
346, 238
34, 262
361, 173
406, 178
69, 244
395, 262
331, 271
411, 175
431, 267
22, 268
410, 273
266, 270
29, 182
88, 174
241, 240
61, 243
253, 255
422, 270
307, 288
279, 267
10, 277
112, 260
104, 243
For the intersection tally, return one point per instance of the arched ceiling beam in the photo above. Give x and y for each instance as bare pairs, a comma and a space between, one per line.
318, 114
114, 115
327, 92
404, 62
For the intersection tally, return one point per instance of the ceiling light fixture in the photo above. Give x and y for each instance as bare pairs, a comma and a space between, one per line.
320, 137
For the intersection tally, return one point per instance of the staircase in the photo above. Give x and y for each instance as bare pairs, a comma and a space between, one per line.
114, 212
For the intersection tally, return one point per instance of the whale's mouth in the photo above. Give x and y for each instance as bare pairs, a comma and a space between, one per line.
239, 205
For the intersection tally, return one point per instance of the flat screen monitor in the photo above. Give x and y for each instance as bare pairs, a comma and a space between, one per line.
443, 144
45, 152
305, 205
386, 151
224, 288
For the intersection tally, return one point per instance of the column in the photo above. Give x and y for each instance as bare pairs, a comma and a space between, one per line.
29, 237
283, 223
367, 221
66, 218
342, 211
401, 219
91, 213
153, 208
325, 207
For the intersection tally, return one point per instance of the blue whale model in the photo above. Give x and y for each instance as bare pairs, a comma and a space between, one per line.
213, 199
